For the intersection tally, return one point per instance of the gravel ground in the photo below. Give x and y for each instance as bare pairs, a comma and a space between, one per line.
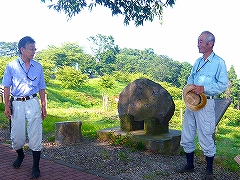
126, 163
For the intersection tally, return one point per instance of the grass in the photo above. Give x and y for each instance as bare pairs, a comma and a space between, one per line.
85, 104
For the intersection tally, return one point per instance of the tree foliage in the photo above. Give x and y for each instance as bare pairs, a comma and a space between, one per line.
48, 63
159, 67
68, 54
234, 87
185, 69
175, 92
4, 60
126, 77
106, 82
8, 49
104, 51
73, 66
132, 10
70, 77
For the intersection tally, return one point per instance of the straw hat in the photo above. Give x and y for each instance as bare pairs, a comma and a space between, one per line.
193, 101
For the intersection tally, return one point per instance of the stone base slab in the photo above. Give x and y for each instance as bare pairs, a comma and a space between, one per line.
166, 143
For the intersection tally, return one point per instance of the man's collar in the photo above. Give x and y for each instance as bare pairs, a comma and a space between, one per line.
21, 61
209, 58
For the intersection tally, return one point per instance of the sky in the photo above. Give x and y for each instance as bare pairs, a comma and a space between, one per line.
176, 37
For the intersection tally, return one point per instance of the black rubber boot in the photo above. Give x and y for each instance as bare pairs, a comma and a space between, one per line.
189, 167
17, 163
209, 168
35, 169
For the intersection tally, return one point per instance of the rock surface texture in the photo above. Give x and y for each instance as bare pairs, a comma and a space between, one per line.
144, 104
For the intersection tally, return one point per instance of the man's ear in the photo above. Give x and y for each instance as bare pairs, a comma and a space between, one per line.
22, 49
210, 43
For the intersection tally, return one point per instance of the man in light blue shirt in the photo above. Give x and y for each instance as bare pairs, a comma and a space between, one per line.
209, 76
23, 79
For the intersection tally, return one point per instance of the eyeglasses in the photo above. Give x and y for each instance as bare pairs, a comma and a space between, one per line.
31, 49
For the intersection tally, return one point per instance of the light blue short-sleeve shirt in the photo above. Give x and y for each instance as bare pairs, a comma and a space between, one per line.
212, 74
21, 81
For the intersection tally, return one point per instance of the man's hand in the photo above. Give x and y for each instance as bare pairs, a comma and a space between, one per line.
7, 112
44, 112
198, 89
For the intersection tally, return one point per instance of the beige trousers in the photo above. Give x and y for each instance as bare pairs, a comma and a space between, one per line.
26, 114
201, 122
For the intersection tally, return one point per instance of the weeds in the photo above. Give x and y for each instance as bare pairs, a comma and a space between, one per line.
105, 154
124, 157
153, 175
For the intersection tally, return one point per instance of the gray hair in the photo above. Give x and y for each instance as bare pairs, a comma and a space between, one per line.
210, 37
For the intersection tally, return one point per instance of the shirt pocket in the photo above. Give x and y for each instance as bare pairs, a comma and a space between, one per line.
34, 77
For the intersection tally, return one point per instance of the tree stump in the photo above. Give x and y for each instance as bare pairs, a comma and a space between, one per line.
68, 132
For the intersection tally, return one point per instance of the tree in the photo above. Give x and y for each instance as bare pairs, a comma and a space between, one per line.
104, 50
234, 87
68, 54
48, 63
132, 10
8, 49
185, 70
4, 60
160, 68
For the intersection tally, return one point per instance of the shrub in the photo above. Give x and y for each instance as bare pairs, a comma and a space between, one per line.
70, 77
107, 82
125, 77
233, 117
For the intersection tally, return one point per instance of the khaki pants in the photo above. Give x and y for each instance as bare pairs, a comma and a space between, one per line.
26, 113
203, 123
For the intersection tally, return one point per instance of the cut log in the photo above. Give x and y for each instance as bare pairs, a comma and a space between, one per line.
68, 132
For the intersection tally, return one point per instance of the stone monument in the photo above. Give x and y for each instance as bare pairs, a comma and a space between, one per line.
145, 109
144, 104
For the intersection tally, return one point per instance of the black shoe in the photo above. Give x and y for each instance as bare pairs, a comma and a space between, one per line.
209, 176
186, 169
35, 173
17, 163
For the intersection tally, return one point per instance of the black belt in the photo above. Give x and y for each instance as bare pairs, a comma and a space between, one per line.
209, 97
24, 98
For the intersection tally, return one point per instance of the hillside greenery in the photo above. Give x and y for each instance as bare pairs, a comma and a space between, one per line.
77, 82
70, 64
85, 104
